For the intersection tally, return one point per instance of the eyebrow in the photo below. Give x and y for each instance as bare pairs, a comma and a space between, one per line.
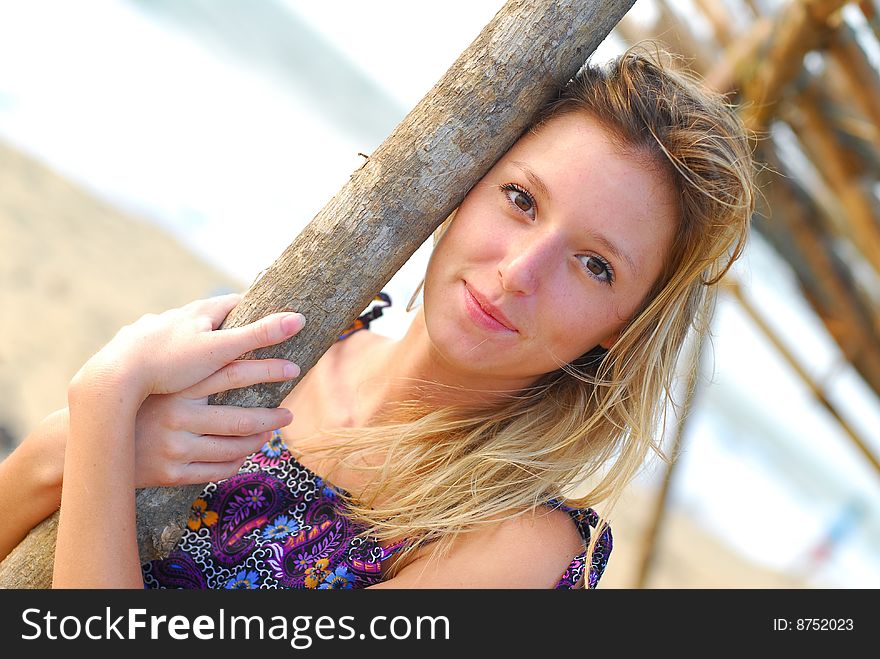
536, 181
611, 247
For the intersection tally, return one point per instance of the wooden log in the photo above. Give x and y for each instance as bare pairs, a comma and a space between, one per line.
767, 60
845, 103
785, 39
673, 33
389, 207
850, 219
771, 55
753, 7
846, 64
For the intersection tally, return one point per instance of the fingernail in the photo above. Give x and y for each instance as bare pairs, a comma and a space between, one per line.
291, 370
293, 322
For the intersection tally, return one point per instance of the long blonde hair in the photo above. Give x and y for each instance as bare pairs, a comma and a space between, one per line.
453, 469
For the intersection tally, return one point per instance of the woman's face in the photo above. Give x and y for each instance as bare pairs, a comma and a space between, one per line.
559, 242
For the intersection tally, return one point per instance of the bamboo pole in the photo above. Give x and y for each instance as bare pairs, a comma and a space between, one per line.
389, 206
861, 78
846, 316
679, 37
870, 13
719, 19
659, 511
826, 153
733, 288
799, 27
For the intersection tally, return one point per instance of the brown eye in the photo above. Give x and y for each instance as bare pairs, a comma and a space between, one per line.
520, 198
595, 267
598, 268
523, 202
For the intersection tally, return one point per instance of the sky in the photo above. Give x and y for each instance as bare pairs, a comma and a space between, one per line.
231, 156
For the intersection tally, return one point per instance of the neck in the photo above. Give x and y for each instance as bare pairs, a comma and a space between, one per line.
412, 369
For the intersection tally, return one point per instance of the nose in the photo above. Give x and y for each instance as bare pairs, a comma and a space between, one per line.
527, 262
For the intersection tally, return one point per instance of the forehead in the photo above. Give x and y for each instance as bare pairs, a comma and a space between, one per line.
602, 185
577, 148
579, 135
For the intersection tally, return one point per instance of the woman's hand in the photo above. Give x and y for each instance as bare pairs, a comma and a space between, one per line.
179, 348
180, 439
176, 351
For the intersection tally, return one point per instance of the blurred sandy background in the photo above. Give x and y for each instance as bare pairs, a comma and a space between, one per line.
74, 270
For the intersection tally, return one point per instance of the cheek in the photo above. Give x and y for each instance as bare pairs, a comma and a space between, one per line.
472, 238
574, 323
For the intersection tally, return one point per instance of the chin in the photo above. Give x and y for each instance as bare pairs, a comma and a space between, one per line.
469, 353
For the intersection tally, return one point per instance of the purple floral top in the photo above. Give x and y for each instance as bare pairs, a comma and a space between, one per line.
276, 524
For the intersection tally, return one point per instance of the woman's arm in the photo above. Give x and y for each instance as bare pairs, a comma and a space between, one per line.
180, 350
30, 480
96, 545
179, 440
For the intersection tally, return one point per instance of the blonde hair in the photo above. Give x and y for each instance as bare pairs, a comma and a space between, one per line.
451, 470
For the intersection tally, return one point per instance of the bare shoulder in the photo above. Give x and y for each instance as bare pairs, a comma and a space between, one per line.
359, 342
334, 367
344, 354
531, 550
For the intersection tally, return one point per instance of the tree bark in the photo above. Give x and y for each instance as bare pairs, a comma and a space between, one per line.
388, 208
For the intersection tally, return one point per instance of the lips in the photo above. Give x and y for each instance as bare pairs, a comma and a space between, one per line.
490, 309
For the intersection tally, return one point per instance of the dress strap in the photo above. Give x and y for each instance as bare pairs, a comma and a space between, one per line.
584, 518
390, 550
383, 301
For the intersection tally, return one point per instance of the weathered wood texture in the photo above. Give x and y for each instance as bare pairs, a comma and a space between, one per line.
389, 207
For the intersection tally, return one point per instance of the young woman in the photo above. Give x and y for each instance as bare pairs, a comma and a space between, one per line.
556, 304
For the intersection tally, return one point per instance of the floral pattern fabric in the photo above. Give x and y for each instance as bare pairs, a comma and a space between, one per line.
276, 524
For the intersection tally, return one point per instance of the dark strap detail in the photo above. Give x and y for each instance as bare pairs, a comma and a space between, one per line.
363, 321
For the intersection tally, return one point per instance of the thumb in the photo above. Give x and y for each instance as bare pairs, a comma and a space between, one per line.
216, 308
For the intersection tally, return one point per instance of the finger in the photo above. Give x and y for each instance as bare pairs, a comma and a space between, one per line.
277, 327
208, 472
244, 373
211, 448
216, 308
235, 421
